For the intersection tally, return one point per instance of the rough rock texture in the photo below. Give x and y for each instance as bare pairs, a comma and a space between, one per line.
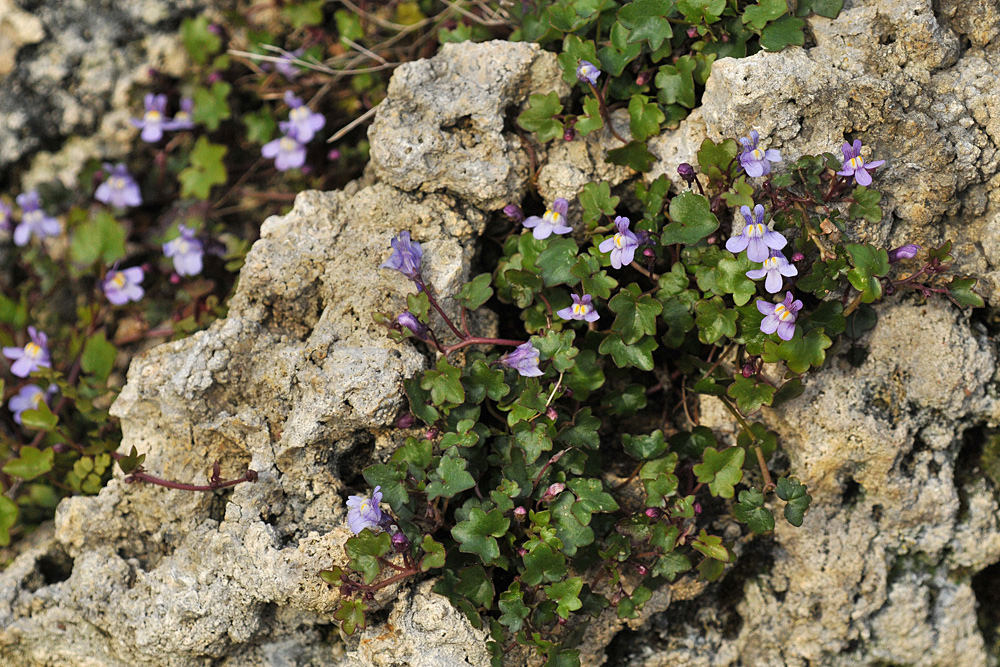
443, 125
66, 68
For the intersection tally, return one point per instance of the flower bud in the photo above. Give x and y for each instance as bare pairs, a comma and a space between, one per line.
214, 76
560, 620
797, 257
513, 211
553, 491
692, 32
569, 134
551, 413
749, 369
399, 542
686, 171
522, 551
431, 434
641, 569
333, 155
653, 512
643, 78
648, 252
406, 420
908, 251
520, 512
697, 508
711, 240
60, 448
408, 320
725, 38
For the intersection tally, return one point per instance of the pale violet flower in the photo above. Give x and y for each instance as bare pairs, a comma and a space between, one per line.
855, 165
183, 119
524, 359
552, 222
779, 317
302, 123
31, 357
34, 220
154, 120
119, 189
364, 512
756, 238
582, 309
28, 398
186, 251
908, 251
587, 72
775, 267
405, 256
756, 161
123, 286
407, 320
622, 245
287, 153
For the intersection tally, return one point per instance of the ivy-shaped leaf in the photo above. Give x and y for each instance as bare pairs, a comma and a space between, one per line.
477, 535
624, 355
796, 499
450, 478
751, 511
644, 447
634, 154
750, 394
557, 346
591, 120
721, 470
647, 21
211, 106
803, 351
512, 608
675, 83
445, 383
711, 546
644, 117
960, 290
596, 200
870, 263
556, 262
714, 320
30, 463
351, 616
365, 549
786, 31
98, 358
591, 498
636, 313
566, 595
481, 381
206, 170
865, 205
538, 117
199, 40
476, 292
434, 555
759, 15
692, 219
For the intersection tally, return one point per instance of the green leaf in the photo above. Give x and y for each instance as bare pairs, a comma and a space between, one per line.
206, 170
644, 447
803, 351
865, 205
644, 117
434, 555
450, 478
784, 32
692, 218
8, 517
714, 320
351, 615
751, 511
419, 305
582, 432
618, 53
543, 563
365, 549
101, 238
742, 195
132, 461
721, 470
199, 42
481, 381
445, 383
634, 155
750, 394
574, 50
98, 357
731, 278
647, 21
538, 117
870, 263
675, 83
211, 106
304, 13
476, 292
533, 438
478, 534
390, 478
512, 608
591, 498
626, 402
596, 200
960, 290
349, 25
624, 355
759, 15
39, 418
30, 463
419, 401
701, 11
796, 498
260, 125
715, 159
636, 313
828, 8
566, 595
557, 346
711, 547
591, 120
595, 282
555, 263
504, 494
670, 565
334, 575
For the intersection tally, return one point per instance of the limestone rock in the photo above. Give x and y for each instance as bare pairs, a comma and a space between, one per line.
443, 125
17, 28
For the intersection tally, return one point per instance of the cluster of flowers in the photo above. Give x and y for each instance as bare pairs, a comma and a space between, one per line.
154, 121
289, 150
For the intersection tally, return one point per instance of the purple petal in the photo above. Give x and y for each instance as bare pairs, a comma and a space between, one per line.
765, 307
769, 324
627, 254
774, 240
737, 244
607, 245
786, 330
788, 270
566, 313
756, 274
862, 177
753, 167
876, 163
847, 151
560, 206
542, 231
757, 250
773, 282
533, 221
772, 155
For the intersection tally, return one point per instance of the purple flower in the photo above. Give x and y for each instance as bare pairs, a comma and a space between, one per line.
774, 268
513, 212
154, 120
186, 251
31, 357
123, 286
554, 221
622, 245
33, 220
779, 317
119, 189
363, 512
756, 161
756, 238
855, 165
580, 310
287, 152
28, 398
587, 72
405, 256
4, 217
183, 119
302, 123
408, 320
908, 251
524, 359
686, 171
286, 67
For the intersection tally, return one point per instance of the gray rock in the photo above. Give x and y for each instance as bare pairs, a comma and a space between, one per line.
443, 126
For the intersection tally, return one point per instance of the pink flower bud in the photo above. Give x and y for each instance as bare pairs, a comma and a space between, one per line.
554, 490
697, 508
569, 134
692, 32
797, 257
653, 513
551, 413
60, 448
522, 551
520, 512
214, 76
406, 421
641, 569
648, 252
431, 434
333, 155
749, 369
399, 542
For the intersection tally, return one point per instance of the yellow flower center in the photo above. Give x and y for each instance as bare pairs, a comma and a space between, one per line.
580, 309
771, 263
756, 231
153, 116
857, 162
32, 350
758, 154
553, 217
619, 240
36, 399
782, 313
117, 182
118, 280
182, 116
32, 218
182, 247
287, 144
299, 113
